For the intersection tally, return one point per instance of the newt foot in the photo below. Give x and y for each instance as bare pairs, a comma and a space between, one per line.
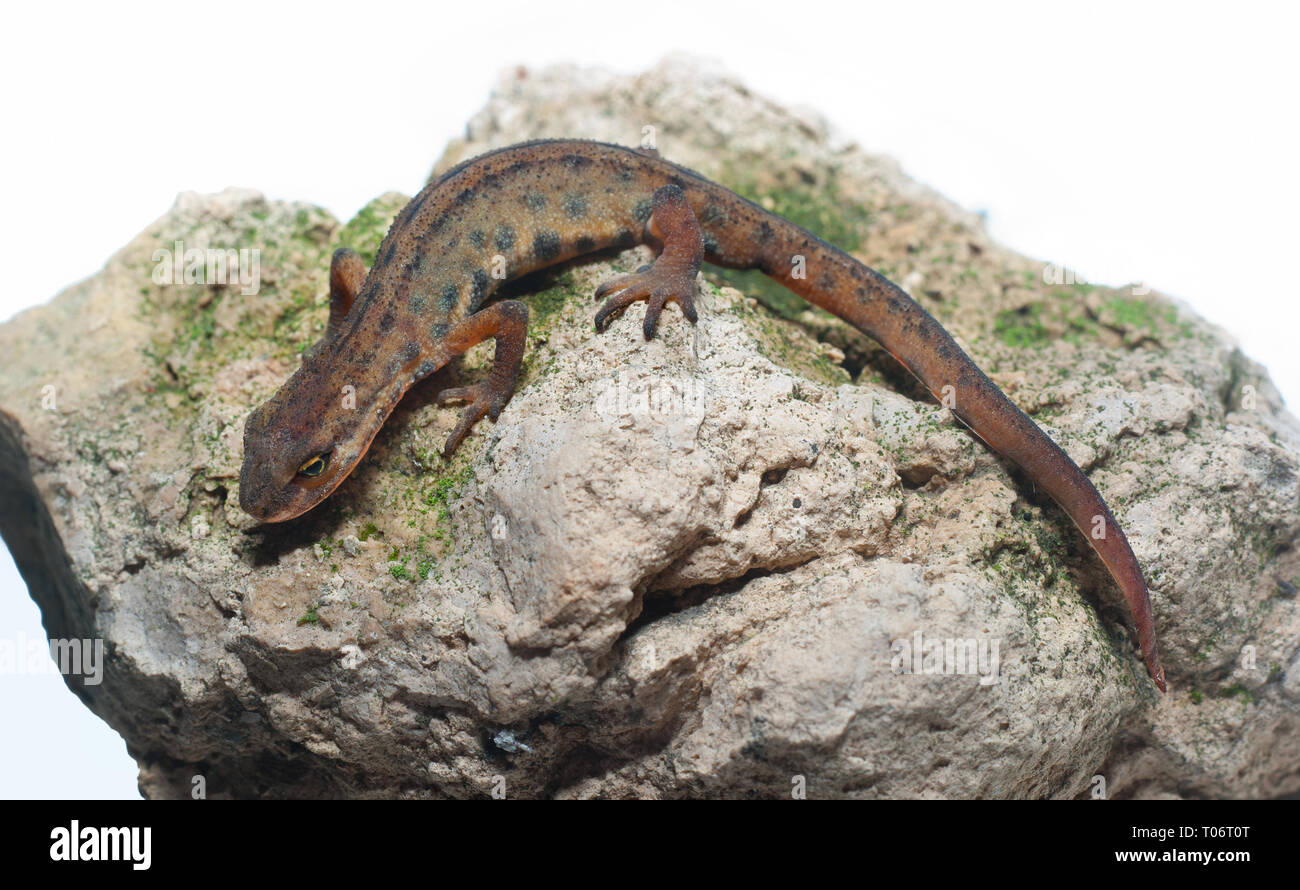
482, 398
653, 284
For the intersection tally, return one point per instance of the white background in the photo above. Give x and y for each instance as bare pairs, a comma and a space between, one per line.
1128, 141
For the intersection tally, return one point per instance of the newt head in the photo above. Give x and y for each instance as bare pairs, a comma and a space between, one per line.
303, 442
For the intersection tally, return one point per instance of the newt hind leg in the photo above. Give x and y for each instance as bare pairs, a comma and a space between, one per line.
507, 323
671, 276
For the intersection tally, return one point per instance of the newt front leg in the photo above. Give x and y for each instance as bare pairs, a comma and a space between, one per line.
507, 323
671, 276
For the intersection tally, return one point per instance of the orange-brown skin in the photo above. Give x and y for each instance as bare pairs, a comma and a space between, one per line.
528, 206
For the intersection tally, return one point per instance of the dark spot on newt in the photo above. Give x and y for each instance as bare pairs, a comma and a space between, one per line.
505, 238
477, 238
389, 319
712, 213
575, 206
534, 201
765, 233
575, 162
439, 330
410, 352
641, 212
624, 239
585, 243
465, 196
710, 243
449, 297
480, 285
417, 302
546, 246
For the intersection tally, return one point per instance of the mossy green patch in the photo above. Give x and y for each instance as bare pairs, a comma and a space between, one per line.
1063, 314
443, 489
1134, 312
430, 495
545, 308
202, 325
1237, 691
774, 341
1021, 328
545, 305
1142, 318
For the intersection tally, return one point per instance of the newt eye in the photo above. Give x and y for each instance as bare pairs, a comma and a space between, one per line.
315, 466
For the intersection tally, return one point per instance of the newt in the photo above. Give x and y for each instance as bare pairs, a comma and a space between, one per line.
522, 208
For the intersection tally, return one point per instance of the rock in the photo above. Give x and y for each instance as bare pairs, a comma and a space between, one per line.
713, 564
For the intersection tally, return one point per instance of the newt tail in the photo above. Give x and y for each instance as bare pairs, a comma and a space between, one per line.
522, 208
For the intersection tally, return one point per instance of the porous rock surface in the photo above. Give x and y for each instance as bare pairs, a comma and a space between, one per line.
683, 567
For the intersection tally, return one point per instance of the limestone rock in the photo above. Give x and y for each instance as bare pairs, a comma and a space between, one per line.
695, 566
